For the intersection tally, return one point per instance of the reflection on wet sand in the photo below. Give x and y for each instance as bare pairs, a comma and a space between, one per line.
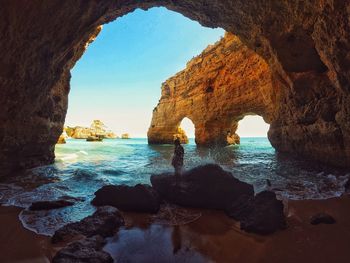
216, 238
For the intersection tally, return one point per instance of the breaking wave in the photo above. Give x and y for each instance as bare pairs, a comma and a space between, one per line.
81, 168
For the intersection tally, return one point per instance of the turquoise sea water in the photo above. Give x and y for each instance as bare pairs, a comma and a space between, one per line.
83, 167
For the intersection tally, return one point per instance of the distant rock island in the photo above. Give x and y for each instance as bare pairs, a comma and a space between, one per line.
125, 136
96, 132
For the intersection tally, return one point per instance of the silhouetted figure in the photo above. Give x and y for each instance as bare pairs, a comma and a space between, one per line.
178, 158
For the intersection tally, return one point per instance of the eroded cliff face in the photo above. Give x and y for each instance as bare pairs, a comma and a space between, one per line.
305, 43
217, 89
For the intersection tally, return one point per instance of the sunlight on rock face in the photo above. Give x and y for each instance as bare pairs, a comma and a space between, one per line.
252, 126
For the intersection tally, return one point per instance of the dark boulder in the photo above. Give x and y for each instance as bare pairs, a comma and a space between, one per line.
88, 250
262, 214
139, 198
207, 186
103, 222
322, 218
47, 205
240, 208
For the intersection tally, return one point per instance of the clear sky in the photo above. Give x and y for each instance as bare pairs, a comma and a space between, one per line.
252, 126
119, 77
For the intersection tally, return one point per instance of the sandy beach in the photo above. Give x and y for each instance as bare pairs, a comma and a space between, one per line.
18, 244
212, 238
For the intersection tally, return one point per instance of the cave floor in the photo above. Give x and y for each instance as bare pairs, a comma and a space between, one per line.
213, 237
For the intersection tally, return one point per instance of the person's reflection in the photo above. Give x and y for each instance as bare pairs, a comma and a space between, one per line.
176, 239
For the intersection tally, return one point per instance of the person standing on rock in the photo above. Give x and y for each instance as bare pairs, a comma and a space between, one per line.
178, 158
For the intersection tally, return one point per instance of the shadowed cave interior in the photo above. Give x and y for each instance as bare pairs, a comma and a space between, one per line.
286, 62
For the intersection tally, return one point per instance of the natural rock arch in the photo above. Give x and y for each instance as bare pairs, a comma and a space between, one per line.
305, 43
172, 133
247, 126
216, 90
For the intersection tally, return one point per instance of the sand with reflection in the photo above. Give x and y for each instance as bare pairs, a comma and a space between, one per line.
212, 238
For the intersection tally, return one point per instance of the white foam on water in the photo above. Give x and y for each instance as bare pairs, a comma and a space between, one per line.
67, 157
82, 168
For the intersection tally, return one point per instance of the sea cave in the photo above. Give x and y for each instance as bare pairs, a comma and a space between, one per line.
282, 197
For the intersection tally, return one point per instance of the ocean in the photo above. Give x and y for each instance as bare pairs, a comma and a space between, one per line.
83, 167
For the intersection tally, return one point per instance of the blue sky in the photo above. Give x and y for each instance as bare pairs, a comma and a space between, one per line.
119, 77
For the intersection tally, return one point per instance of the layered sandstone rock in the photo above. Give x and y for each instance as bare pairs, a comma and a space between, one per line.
125, 136
80, 132
181, 135
305, 43
217, 89
97, 128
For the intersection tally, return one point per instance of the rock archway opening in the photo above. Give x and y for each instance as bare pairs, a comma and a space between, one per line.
185, 131
117, 80
252, 126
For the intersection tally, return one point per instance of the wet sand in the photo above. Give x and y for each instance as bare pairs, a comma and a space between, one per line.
216, 238
211, 238
19, 245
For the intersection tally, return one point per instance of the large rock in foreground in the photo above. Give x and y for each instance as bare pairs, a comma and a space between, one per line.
88, 250
207, 186
103, 222
262, 214
139, 198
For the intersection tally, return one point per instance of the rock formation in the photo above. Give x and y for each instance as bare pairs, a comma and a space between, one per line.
304, 43
110, 135
125, 136
138, 198
181, 135
211, 187
217, 89
262, 214
104, 222
61, 139
63, 136
80, 132
208, 186
85, 239
85, 250
96, 128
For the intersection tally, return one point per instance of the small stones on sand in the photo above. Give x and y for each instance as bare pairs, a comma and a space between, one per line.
322, 218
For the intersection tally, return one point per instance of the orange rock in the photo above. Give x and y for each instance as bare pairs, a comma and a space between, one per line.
304, 43
217, 89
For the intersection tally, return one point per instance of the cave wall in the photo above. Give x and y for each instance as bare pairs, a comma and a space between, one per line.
305, 43
226, 82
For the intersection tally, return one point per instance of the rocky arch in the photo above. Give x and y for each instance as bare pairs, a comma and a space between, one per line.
41, 40
172, 129
216, 89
